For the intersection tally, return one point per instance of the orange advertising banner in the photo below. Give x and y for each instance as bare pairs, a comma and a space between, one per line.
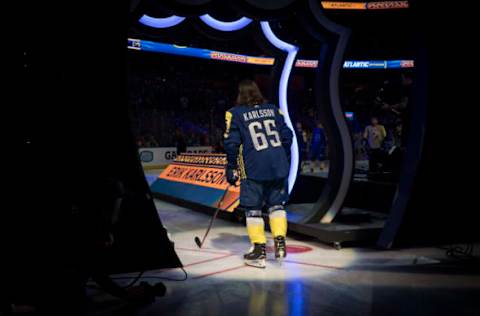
203, 170
376, 5
197, 175
344, 5
260, 60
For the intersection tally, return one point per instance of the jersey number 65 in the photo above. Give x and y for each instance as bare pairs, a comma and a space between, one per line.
259, 133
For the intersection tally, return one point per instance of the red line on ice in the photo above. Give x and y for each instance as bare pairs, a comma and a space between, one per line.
218, 272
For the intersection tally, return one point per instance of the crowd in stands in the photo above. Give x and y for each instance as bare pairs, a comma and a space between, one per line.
378, 107
175, 104
382, 114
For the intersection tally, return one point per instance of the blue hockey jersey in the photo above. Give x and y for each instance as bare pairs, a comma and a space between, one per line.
258, 140
318, 137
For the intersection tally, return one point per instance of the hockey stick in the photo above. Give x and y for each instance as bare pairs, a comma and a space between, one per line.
197, 240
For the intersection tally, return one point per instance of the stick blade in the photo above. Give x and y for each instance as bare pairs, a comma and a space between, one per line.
198, 242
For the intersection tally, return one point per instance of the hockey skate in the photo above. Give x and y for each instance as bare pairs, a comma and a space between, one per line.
256, 257
280, 248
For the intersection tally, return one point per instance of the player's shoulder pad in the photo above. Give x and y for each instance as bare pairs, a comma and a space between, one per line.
233, 109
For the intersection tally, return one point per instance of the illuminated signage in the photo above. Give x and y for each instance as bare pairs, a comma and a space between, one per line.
173, 49
386, 5
377, 5
334, 5
306, 63
356, 64
195, 173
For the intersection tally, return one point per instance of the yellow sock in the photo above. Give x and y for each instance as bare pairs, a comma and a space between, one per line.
256, 230
278, 223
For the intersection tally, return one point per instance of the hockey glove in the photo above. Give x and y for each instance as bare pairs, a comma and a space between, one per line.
232, 176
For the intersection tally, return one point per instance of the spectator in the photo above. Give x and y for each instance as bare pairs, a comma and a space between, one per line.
318, 147
180, 142
301, 140
151, 141
396, 136
140, 142
374, 134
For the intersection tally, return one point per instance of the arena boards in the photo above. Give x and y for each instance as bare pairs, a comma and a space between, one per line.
198, 179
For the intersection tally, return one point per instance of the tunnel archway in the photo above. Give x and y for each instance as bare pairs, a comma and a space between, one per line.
332, 39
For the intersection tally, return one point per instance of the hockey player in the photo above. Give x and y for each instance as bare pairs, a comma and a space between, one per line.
257, 141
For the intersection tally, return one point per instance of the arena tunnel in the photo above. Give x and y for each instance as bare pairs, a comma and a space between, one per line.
287, 38
78, 145
292, 34
79, 164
